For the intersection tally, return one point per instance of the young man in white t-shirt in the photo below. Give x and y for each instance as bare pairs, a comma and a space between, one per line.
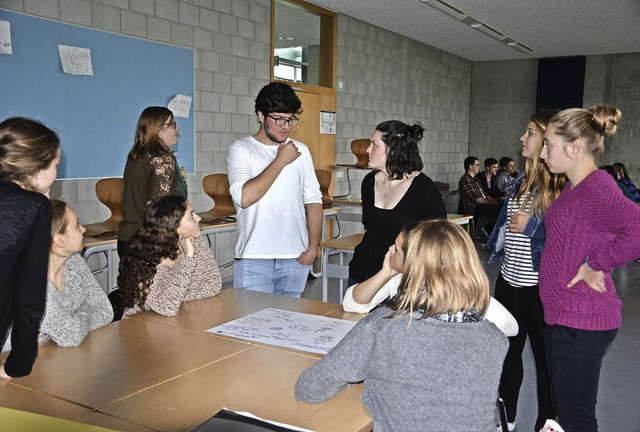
277, 198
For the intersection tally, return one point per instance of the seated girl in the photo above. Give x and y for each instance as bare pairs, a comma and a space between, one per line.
431, 362
363, 297
76, 304
169, 262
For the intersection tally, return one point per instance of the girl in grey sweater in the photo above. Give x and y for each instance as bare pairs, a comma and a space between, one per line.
430, 362
76, 304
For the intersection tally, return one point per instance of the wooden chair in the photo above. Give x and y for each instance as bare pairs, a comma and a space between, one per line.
359, 149
109, 193
217, 187
324, 178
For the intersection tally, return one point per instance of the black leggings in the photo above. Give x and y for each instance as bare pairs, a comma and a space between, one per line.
524, 304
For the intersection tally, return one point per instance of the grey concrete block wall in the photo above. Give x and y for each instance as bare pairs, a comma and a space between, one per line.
384, 76
503, 97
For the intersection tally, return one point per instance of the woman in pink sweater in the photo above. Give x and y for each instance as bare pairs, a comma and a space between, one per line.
585, 239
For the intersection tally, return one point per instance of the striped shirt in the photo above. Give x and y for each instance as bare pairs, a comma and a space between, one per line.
517, 268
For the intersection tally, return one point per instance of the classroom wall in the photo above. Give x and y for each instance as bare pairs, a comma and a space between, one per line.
503, 97
381, 76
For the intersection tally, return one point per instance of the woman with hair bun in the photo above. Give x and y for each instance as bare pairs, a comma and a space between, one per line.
585, 239
395, 193
169, 262
29, 157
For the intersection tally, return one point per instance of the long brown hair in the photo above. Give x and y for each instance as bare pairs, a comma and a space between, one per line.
147, 140
538, 178
157, 239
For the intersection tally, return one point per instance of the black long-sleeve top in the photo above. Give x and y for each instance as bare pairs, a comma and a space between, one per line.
421, 201
25, 226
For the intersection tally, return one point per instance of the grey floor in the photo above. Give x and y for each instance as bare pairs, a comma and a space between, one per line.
618, 409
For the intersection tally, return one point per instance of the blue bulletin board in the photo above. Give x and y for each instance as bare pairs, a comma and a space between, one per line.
95, 116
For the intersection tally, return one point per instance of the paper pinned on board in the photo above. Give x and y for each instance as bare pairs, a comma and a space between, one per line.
75, 61
328, 122
180, 105
5, 37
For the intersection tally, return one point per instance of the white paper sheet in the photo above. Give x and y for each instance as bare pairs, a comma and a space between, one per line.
328, 122
5, 37
75, 61
180, 105
305, 332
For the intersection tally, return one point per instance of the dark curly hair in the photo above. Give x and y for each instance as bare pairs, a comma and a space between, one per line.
157, 239
278, 97
403, 155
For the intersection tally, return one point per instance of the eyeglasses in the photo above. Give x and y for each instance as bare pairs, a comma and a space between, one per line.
172, 124
281, 121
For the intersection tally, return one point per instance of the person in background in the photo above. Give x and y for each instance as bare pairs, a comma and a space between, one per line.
612, 172
623, 177
169, 262
76, 303
383, 287
585, 239
396, 192
503, 177
430, 362
29, 157
473, 200
277, 197
151, 170
488, 179
518, 238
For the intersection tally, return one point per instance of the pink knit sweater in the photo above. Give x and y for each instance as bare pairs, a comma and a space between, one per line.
593, 222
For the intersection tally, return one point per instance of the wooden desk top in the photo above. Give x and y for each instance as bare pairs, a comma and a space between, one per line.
268, 392
347, 243
455, 217
348, 202
123, 358
231, 304
20, 398
108, 421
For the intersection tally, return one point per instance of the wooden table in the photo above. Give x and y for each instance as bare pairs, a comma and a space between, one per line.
149, 372
340, 246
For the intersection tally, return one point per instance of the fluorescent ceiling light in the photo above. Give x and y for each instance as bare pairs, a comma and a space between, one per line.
446, 8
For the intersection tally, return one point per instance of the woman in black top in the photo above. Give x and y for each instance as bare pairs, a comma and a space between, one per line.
29, 157
395, 193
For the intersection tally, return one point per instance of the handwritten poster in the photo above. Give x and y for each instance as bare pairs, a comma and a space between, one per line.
75, 61
5, 37
180, 105
305, 332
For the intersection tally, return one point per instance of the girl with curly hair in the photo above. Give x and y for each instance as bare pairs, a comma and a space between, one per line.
169, 262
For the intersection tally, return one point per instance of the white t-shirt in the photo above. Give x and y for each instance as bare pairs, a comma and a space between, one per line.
276, 225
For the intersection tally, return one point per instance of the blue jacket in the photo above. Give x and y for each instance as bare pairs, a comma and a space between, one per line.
534, 230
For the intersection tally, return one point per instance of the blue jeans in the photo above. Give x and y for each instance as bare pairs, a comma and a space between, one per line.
276, 276
575, 358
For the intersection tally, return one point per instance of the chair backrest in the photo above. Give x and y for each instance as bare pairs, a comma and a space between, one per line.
109, 193
217, 187
324, 178
359, 149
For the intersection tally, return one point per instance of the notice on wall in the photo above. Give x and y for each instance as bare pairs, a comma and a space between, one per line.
5, 37
75, 61
305, 332
180, 105
328, 122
